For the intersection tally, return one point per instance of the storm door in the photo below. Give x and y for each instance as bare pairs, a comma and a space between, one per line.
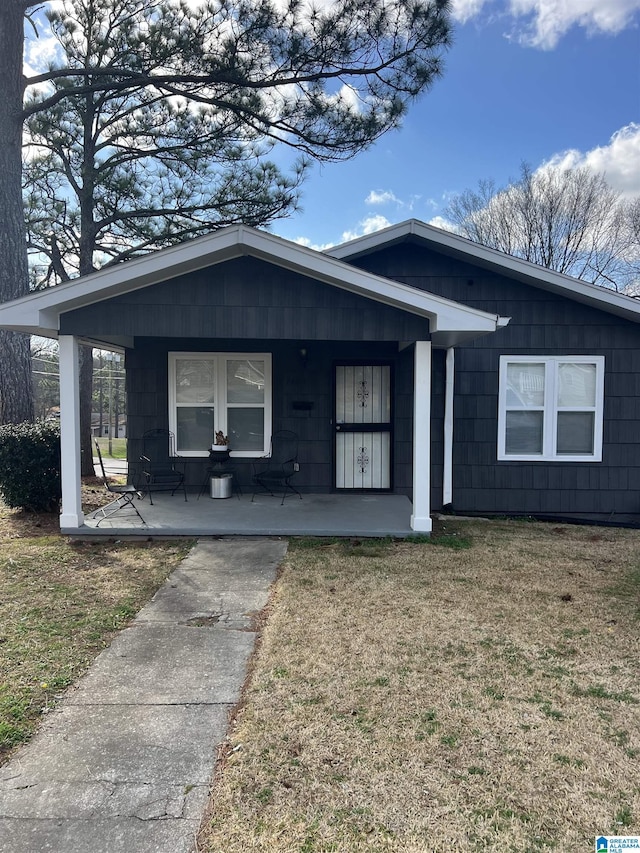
362, 425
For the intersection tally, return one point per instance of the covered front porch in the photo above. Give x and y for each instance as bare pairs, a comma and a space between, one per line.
365, 515
198, 322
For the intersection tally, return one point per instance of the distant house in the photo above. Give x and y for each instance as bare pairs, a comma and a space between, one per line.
411, 361
100, 427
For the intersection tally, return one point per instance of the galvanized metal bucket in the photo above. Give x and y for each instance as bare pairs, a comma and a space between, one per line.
220, 486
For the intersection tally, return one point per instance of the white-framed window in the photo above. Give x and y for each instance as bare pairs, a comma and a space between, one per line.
550, 408
227, 391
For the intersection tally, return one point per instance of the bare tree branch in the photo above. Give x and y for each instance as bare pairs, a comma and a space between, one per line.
567, 220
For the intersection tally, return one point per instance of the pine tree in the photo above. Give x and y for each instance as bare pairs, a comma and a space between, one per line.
246, 74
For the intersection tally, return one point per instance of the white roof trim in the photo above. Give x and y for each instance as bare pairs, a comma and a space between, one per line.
525, 271
39, 312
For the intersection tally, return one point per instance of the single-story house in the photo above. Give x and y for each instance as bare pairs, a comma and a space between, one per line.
410, 361
100, 426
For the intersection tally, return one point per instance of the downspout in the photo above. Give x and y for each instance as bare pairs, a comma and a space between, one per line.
447, 475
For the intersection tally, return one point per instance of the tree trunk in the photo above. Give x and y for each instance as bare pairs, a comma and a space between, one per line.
16, 389
86, 267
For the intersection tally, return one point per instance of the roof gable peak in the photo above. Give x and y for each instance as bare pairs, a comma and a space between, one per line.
449, 243
40, 312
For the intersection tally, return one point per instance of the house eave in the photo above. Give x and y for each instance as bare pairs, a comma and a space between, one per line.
39, 313
455, 246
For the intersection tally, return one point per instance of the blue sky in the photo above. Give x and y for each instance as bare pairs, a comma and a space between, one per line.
526, 80
559, 83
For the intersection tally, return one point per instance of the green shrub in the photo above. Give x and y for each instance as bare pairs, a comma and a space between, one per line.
30, 466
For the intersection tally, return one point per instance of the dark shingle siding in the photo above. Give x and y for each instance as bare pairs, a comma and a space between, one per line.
542, 323
246, 299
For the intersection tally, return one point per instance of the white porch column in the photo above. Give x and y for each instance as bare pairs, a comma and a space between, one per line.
72, 515
421, 518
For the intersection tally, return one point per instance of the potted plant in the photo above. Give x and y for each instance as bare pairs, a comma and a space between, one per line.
221, 477
221, 442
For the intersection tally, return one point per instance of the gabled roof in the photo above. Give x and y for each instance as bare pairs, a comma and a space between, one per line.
39, 312
448, 243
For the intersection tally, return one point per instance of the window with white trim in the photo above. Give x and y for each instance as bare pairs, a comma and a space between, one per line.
227, 391
551, 408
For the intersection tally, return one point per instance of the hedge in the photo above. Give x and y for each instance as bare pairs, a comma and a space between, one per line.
30, 466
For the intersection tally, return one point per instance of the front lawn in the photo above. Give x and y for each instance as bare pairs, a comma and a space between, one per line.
118, 448
477, 693
61, 602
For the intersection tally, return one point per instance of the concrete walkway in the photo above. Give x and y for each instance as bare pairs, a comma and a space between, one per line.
124, 765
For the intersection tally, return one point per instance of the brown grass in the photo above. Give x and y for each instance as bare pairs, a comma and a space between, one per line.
61, 603
415, 697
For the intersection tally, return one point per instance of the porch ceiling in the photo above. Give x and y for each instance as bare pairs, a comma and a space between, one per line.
39, 313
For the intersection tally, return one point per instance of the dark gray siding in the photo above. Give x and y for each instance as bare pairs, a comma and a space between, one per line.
294, 380
246, 304
245, 299
544, 324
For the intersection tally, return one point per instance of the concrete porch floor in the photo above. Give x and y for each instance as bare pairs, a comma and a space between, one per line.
368, 515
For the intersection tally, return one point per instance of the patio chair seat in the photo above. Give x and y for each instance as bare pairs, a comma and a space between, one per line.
124, 495
159, 464
274, 472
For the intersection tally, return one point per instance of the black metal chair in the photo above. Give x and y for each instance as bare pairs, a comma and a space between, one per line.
159, 464
123, 495
274, 472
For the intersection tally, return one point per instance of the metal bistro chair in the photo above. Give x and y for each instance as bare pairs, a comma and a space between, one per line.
159, 464
123, 495
274, 472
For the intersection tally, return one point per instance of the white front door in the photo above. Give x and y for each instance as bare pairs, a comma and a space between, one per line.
363, 426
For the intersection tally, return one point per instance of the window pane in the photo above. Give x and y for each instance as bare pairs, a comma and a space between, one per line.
525, 384
576, 384
195, 428
246, 429
524, 433
575, 433
245, 381
195, 380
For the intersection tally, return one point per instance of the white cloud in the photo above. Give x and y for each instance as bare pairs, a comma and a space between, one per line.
442, 222
464, 10
383, 197
40, 52
348, 96
308, 244
542, 23
549, 20
367, 226
619, 160
41, 46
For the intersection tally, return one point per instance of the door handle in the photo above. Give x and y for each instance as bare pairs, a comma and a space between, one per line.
338, 429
